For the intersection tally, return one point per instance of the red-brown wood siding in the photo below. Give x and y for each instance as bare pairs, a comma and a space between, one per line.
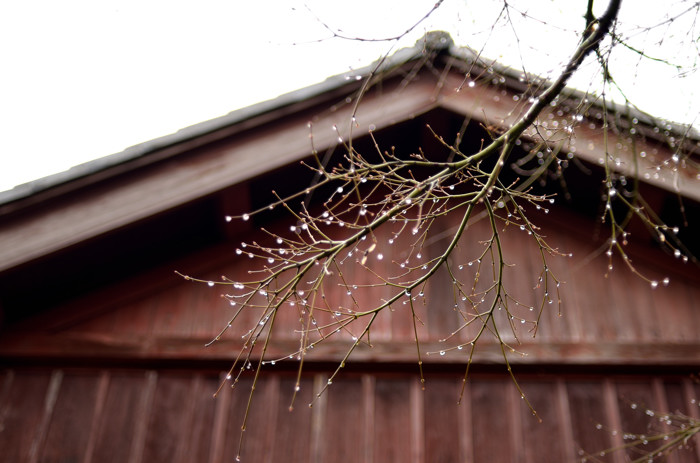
617, 319
64, 415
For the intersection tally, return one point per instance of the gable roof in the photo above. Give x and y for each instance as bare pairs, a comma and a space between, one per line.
434, 43
96, 199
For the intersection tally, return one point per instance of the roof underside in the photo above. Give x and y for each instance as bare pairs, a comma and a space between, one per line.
170, 172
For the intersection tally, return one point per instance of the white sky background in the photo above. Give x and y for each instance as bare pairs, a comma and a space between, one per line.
84, 79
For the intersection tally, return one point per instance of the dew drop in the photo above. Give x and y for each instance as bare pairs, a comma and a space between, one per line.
245, 217
228, 218
211, 283
442, 352
654, 284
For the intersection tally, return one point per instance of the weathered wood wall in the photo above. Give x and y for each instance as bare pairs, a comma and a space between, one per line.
111, 415
617, 320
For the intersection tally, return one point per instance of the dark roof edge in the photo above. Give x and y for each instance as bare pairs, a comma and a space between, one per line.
515, 79
436, 41
188, 133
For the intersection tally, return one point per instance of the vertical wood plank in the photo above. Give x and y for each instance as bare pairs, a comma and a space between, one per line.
143, 414
562, 267
100, 399
69, 429
613, 418
220, 432
115, 433
442, 431
597, 323
169, 419
293, 428
196, 444
546, 400
564, 419
466, 426
514, 401
344, 424
392, 420
587, 411
369, 408
416, 404
667, 394
22, 413
680, 320
491, 421
49, 406
318, 416
255, 439
636, 404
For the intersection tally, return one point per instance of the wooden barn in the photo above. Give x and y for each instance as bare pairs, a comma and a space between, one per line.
102, 344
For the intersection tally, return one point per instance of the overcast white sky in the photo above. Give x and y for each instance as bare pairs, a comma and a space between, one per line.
84, 79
